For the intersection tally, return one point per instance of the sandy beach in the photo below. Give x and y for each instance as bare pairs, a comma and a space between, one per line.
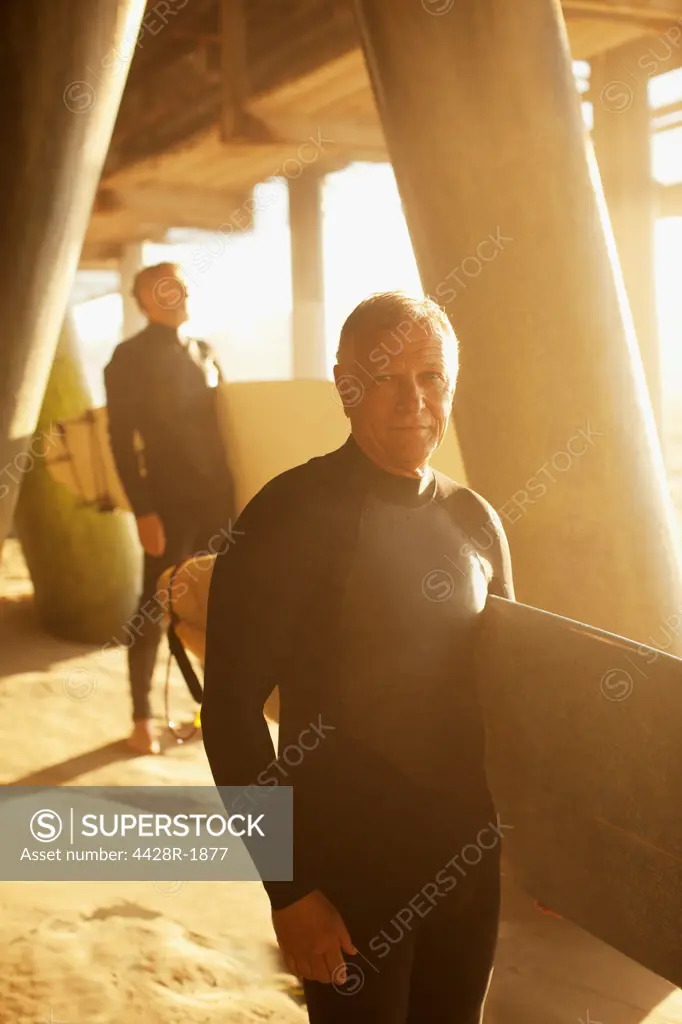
201, 952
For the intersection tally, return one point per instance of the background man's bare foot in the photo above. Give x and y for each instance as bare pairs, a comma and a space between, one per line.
142, 739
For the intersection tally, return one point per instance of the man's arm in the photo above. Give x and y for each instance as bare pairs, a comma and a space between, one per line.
487, 537
123, 421
502, 582
256, 590
252, 606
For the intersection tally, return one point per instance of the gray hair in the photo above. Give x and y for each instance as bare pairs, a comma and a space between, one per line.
392, 312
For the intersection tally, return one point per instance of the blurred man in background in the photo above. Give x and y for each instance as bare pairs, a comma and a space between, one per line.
169, 454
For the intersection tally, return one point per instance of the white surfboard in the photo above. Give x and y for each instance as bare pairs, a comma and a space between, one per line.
267, 428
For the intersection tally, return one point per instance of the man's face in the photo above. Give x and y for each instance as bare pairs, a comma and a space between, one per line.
163, 297
397, 393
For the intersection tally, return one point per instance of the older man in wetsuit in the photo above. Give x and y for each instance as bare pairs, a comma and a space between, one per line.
356, 586
168, 451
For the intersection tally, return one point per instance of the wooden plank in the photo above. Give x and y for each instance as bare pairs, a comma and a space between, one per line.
296, 129
638, 13
95, 256
649, 55
669, 124
590, 37
184, 206
107, 230
330, 82
234, 69
667, 110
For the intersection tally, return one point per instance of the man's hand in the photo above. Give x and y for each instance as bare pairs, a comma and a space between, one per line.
152, 534
313, 938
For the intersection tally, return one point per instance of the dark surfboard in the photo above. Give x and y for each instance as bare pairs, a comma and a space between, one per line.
584, 756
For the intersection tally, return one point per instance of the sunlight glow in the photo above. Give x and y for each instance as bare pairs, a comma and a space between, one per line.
240, 285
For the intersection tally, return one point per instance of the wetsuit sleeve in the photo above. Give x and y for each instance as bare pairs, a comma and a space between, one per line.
484, 527
502, 582
252, 608
123, 420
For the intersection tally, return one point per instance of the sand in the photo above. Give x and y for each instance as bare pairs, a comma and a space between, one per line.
197, 952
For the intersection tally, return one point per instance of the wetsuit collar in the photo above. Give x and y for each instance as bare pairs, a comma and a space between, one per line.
401, 490
162, 332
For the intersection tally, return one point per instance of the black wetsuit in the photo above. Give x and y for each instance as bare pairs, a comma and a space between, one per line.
164, 390
358, 596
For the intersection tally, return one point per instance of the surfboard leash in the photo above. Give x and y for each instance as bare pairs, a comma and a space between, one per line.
177, 651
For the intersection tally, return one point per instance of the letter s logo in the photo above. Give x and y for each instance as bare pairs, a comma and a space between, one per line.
46, 826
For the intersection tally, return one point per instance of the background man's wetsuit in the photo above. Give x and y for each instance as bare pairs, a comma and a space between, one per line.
163, 390
359, 596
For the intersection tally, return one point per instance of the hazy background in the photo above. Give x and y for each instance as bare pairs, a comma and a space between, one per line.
241, 295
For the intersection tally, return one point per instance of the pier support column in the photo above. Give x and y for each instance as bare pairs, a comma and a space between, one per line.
61, 63
307, 275
84, 564
483, 124
131, 261
622, 143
